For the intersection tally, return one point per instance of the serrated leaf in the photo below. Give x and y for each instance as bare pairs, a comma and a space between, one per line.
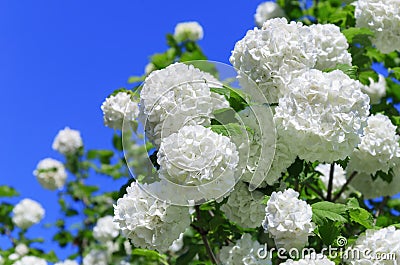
236, 98
350, 33
329, 232
328, 211
7, 191
362, 217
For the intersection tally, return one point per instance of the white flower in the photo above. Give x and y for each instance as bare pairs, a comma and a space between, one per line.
67, 141
96, 257
118, 108
244, 207
188, 31
274, 55
197, 156
339, 177
1, 260
105, 229
27, 213
20, 250
30, 260
316, 259
323, 115
331, 46
177, 244
50, 173
377, 243
67, 262
267, 10
383, 18
371, 188
379, 149
375, 90
149, 222
176, 96
243, 253
288, 219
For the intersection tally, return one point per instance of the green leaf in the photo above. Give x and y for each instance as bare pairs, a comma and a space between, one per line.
103, 155
188, 256
230, 129
362, 217
350, 33
6, 191
329, 232
351, 71
236, 98
396, 72
135, 79
328, 211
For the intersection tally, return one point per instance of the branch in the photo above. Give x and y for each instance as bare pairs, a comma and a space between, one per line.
337, 196
330, 184
381, 206
203, 234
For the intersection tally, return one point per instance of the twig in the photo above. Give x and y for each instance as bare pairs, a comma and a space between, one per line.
203, 234
330, 183
337, 196
381, 206
319, 193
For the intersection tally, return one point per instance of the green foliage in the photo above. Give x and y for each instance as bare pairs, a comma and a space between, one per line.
236, 98
328, 211
6, 191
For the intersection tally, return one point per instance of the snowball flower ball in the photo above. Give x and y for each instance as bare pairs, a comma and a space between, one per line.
318, 259
50, 173
371, 188
373, 242
274, 55
118, 107
375, 90
149, 222
30, 260
331, 46
188, 31
67, 141
323, 115
383, 18
267, 10
20, 250
243, 253
27, 213
105, 229
197, 156
176, 96
379, 149
67, 262
96, 257
288, 219
244, 207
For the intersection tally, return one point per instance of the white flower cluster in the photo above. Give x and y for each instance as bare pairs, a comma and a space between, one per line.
318, 259
371, 188
105, 229
243, 253
331, 46
67, 141
50, 173
339, 176
373, 242
375, 90
30, 260
20, 251
244, 207
188, 31
118, 108
379, 149
27, 213
383, 18
267, 10
67, 262
197, 156
1, 260
323, 115
288, 219
148, 222
176, 96
177, 244
96, 257
274, 55
279, 52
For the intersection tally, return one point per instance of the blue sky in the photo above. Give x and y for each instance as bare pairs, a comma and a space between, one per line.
60, 59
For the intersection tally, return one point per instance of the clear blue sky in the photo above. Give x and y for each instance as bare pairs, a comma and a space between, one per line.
59, 59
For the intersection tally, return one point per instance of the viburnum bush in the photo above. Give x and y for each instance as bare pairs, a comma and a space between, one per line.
290, 152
